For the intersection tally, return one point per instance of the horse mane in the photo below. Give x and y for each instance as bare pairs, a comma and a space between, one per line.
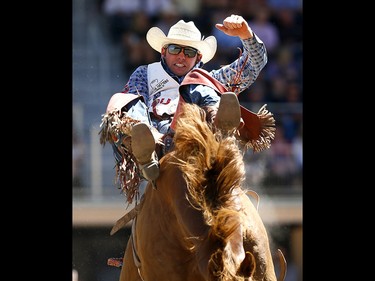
213, 168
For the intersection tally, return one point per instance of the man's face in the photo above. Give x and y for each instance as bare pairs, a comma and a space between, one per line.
180, 59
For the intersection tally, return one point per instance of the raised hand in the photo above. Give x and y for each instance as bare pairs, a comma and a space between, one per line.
235, 25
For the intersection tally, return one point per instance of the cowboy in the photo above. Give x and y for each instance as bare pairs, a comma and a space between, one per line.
152, 94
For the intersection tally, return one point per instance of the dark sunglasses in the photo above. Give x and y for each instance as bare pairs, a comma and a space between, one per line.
176, 49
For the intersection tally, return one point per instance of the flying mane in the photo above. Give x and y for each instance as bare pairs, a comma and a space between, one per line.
213, 168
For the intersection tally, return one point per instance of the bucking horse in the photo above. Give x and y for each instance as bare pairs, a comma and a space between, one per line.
196, 222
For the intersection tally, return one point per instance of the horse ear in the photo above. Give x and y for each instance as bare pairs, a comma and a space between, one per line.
247, 267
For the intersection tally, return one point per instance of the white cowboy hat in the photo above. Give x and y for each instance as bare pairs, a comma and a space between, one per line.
186, 34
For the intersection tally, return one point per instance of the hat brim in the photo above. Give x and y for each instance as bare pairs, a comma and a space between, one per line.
157, 39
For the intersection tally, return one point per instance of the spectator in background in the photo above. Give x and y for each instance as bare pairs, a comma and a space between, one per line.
119, 14
262, 25
281, 167
135, 49
167, 18
294, 5
189, 8
297, 149
154, 7
277, 89
285, 65
293, 92
78, 150
255, 95
289, 24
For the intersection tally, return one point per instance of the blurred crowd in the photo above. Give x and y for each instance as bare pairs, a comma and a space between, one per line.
78, 151
279, 25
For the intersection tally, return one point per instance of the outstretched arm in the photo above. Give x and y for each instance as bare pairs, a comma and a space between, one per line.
241, 73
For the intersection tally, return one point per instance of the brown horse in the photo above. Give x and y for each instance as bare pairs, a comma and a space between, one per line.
198, 223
